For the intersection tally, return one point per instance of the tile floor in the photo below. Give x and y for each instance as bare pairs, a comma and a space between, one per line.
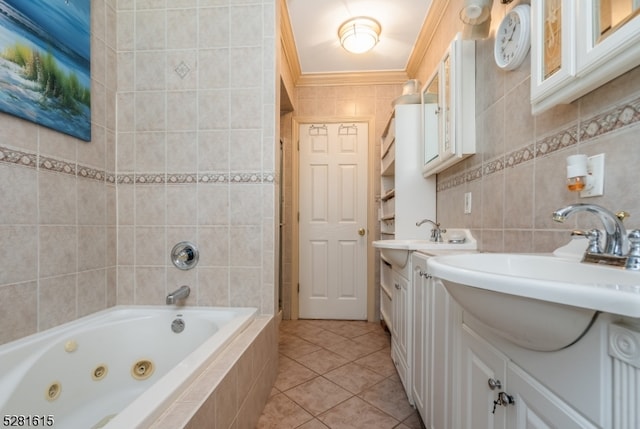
338, 375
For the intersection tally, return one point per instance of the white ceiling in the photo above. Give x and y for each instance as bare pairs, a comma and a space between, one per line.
315, 26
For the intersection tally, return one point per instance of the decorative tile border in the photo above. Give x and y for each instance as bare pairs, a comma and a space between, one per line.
612, 120
17, 157
30, 160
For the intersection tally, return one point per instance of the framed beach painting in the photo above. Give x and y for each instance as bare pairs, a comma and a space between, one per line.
45, 63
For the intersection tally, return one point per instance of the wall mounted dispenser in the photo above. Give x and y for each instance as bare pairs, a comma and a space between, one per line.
586, 175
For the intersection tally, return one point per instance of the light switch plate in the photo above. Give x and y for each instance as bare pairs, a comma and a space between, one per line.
467, 202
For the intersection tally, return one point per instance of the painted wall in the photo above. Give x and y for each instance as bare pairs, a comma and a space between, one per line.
184, 119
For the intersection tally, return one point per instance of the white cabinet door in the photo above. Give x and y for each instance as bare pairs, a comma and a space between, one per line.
538, 408
578, 45
400, 346
446, 316
448, 103
480, 362
421, 301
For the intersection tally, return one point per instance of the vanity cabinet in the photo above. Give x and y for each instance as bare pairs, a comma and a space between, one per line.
448, 109
435, 318
486, 373
578, 45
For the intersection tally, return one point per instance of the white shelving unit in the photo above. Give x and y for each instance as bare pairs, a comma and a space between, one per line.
405, 195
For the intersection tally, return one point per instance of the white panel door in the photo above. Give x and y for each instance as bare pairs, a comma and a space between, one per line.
333, 221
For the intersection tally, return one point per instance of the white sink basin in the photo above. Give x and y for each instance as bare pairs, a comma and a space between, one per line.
537, 301
396, 252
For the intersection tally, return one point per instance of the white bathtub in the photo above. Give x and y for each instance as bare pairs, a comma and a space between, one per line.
81, 373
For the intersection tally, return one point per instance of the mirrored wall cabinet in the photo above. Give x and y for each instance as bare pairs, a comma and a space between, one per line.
578, 45
448, 108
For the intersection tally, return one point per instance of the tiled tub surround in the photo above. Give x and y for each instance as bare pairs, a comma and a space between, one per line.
162, 235
232, 391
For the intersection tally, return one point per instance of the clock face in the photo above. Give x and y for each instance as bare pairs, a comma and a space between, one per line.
513, 38
509, 37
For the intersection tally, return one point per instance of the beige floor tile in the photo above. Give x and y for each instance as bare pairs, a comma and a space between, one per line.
353, 350
318, 395
295, 347
322, 361
324, 338
379, 362
354, 329
282, 413
336, 374
313, 424
357, 414
390, 397
379, 338
355, 378
291, 374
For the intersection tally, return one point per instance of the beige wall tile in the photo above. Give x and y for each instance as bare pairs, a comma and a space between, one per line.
58, 253
57, 301
19, 307
19, 203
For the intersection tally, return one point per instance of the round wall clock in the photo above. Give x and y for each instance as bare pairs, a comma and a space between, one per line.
513, 38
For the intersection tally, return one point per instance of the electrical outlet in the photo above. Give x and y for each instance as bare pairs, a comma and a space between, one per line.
467, 202
595, 181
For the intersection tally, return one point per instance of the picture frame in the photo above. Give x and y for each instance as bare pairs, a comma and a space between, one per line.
45, 63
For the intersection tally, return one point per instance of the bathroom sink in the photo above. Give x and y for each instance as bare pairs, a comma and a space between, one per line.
541, 302
397, 251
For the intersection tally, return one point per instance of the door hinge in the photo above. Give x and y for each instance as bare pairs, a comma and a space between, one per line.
298, 145
298, 216
298, 287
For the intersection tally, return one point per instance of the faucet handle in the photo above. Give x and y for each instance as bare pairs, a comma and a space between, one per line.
633, 260
622, 215
593, 236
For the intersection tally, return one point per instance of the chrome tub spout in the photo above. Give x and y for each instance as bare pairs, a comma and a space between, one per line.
178, 295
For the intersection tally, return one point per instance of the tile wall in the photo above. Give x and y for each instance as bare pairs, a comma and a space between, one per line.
196, 149
57, 210
517, 177
187, 88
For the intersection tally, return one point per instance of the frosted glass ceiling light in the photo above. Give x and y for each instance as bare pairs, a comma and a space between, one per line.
359, 35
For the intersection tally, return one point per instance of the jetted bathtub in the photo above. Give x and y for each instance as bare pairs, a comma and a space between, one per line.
118, 368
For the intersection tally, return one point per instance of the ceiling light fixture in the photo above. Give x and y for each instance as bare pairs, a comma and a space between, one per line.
359, 35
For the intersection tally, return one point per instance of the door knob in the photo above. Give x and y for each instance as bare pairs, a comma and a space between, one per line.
362, 231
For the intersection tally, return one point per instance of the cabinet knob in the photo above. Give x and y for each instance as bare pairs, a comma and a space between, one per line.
424, 274
494, 384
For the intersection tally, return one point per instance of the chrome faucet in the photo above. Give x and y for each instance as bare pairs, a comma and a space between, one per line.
436, 231
178, 295
615, 231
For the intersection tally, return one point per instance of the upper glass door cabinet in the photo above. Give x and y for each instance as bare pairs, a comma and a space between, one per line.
448, 108
578, 45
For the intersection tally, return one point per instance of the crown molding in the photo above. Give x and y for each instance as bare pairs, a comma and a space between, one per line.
289, 43
351, 78
426, 35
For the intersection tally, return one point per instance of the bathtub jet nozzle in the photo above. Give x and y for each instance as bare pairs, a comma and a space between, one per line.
178, 295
